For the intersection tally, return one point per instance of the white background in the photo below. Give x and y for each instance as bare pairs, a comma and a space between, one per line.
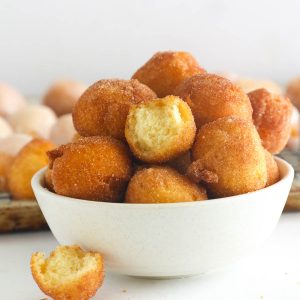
41, 41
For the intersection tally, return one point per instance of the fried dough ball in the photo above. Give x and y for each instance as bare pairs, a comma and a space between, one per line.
103, 108
31, 158
160, 130
63, 94
10, 100
48, 180
36, 120
272, 169
293, 91
249, 85
63, 130
162, 185
166, 70
5, 128
211, 97
272, 118
9, 147
293, 142
68, 273
229, 158
92, 168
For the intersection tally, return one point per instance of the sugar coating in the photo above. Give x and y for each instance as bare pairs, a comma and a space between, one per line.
164, 71
231, 149
91, 168
272, 118
103, 108
162, 185
272, 169
211, 97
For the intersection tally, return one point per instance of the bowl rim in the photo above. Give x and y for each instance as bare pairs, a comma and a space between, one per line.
37, 185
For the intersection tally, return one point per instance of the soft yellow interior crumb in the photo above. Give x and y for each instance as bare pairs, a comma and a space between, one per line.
67, 264
156, 124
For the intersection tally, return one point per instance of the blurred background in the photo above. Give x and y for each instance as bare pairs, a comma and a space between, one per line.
89, 40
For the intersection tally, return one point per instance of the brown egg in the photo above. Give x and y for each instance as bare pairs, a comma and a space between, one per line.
293, 91
293, 142
63, 94
5, 128
63, 130
10, 100
36, 120
249, 85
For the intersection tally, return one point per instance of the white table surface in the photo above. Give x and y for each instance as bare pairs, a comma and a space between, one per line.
272, 273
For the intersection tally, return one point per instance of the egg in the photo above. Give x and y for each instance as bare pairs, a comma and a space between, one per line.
13, 143
10, 100
36, 120
5, 128
63, 94
63, 130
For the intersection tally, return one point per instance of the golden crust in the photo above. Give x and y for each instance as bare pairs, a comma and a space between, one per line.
31, 158
230, 157
5, 163
62, 96
272, 169
91, 168
272, 119
162, 185
211, 97
160, 130
81, 286
293, 91
48, 180
103, 108
166, 70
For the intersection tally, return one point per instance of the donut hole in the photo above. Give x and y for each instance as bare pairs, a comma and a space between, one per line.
158, 123
66, 264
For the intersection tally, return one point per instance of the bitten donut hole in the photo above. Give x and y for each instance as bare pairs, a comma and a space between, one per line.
157, 124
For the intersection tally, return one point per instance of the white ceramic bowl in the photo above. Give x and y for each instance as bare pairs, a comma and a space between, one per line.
167, 240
